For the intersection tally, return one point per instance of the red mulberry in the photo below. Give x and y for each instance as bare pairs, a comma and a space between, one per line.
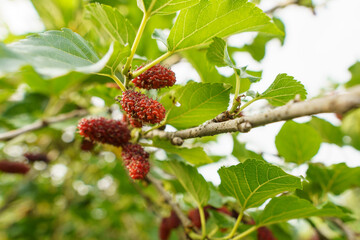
135, 122
87, 145
164, 230
264, 233
154, 78
14, 167
33, 157
138, 169
167, 224
173, 220
136, 160
194, 216
142, 108
104, 130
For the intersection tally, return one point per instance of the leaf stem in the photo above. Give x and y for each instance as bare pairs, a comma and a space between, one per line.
236, 103
203, 222
194, 236
163, 123
213, 232
248, 103
139, 33
238, 221
150, 65
244, 234
118, 82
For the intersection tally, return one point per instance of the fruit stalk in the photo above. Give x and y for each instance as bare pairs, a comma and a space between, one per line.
139, 33
150, 65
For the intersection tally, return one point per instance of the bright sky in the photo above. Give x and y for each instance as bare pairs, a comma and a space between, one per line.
318, 50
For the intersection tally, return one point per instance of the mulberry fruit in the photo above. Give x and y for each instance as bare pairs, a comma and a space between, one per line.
194, 216
104, 130
14, 167
167, 224
138, 169
156, 77
264, 233
173, 220
135, 122
142, 108
164, 230
136, 160
87, 145
33, 157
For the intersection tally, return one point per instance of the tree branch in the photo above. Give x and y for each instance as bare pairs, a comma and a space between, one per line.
339, 103
42, 123
280, 6
168, 198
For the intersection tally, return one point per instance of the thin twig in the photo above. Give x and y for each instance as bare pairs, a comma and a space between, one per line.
42, 123
168, 198
152, 205
280, 6
350, 234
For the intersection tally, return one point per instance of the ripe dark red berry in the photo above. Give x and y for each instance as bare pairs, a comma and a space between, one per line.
138, 169
164, 230
136, 160
194, 216
167, 224
173, 220
135, 122
224, 210
33, 157
104, 130
264, 233
154, 78
87, 145
14, 167
142, 108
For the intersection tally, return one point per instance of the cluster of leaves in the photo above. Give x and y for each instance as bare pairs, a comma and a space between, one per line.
59, 71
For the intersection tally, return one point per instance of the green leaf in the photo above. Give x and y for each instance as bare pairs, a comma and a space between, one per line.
207, 71
257, 48
215, 198
250, 75
105, 93
165, 6
218, 53
196, 156
111, 20
336, 178
297, 142
328, 132
193, 182
241, 153
55, 86
56, 53
196, 26
351, 127
283, 89
355, 75
221, 219
284, 208
254, 181
117, 59
10, 61
160, 35
199, 102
